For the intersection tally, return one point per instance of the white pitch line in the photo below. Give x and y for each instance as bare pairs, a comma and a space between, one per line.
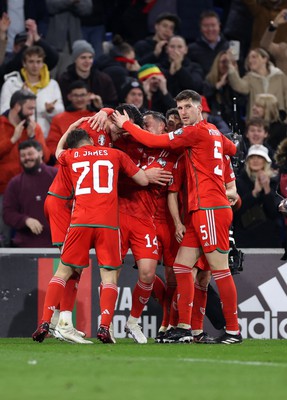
236, 362
203, 360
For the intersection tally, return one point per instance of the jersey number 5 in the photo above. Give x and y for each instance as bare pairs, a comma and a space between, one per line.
217, 155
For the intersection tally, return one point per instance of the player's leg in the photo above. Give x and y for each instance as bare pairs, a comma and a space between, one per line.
107, 246
53, 296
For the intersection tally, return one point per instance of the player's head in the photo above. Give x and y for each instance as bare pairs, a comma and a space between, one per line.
133, 112
189, 107
154, 122
78, 138
173, 120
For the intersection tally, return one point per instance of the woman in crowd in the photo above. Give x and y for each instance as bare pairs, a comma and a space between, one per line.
257, 222
266, 107
261, 77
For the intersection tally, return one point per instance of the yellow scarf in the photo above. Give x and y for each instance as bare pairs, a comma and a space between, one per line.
44, 79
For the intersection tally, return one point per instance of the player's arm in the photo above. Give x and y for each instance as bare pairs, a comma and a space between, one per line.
172, 202
229, 147
62, 141
140, 178
142, 136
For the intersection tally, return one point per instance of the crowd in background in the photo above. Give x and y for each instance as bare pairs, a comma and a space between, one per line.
78, 56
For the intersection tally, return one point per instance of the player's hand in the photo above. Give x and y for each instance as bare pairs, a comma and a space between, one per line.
76, 124
99, 120
34, 225
158, 176
119, 119
180, 230
233, 199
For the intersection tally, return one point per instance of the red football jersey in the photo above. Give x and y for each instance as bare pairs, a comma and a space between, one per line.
62, 185
94, 173
204, 148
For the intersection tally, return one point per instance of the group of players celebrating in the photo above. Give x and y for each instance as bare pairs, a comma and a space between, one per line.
164, 196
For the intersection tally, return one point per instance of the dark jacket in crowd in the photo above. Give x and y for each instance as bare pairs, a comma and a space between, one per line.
201, 53
24, 197
189, 76
257, 223
98, 82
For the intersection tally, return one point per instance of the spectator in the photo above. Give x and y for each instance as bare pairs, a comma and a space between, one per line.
266, 107
16, 126
79, 107
281, 161
256, 132
151, 49
173, 121
23, 204
261, 77
155, 88
180, 72
65, 27
82, 68
4, 25
204, 50
277, 50
239, 16
120, 63
256, 223
264, 11
93, 26
132, 92
220, 95
35, 76
22, 41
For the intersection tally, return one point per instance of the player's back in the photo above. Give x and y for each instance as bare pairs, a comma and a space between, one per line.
94, 173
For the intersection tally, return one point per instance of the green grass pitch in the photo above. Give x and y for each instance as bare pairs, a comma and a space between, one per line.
255, 369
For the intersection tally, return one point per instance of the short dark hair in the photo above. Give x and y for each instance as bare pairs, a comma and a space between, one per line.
75, 138
172, 111
188, 94
133, 112
77, 85
208, 14
260, 122
156, 115
20, 97
170, 17
30, 143
32, 50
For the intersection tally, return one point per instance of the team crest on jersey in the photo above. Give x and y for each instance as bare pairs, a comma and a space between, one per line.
101, 140
162, 162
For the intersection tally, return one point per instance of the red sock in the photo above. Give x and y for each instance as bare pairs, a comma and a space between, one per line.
173, 317
199, 304
53, 297
228, 296
70, 293
109, 295
185, 292
158, 290
167, 305
140, 297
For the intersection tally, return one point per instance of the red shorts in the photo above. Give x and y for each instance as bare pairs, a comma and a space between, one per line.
209, 229
138, 235
167, 244
79, 240
58, 214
